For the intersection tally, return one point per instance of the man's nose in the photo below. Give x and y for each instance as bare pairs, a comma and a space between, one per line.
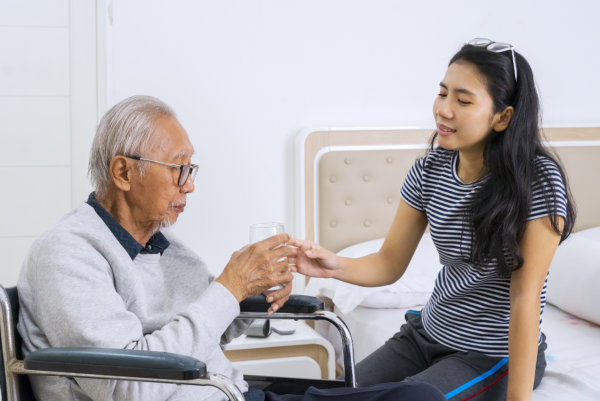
188, 186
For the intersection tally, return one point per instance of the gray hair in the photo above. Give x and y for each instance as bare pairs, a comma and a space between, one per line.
125, 129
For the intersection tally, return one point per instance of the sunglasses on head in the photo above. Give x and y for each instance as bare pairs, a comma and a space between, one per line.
496, 47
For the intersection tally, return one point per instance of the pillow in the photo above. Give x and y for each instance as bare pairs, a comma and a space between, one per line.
575, 277
412, 289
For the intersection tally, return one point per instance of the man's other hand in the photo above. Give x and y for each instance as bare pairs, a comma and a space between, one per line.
278, 298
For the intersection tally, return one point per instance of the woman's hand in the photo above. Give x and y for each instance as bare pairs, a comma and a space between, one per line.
312, 260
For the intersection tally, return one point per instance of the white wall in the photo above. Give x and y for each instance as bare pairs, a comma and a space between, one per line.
246, 76
47, 99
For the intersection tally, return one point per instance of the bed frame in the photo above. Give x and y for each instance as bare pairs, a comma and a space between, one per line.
350, 179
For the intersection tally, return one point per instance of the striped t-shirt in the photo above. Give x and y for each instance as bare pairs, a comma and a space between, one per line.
469, 308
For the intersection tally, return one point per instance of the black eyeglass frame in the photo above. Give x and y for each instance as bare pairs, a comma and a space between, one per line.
496, 47
185, 170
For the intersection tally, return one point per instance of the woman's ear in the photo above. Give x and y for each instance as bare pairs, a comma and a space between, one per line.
502, 119
121, 172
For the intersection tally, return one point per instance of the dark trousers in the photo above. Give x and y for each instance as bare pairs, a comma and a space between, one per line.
416, 391
412, 355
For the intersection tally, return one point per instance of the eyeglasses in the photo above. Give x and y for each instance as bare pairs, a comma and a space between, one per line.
185, 170
496, 47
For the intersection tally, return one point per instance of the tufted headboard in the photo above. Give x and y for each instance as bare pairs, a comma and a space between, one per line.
350, 179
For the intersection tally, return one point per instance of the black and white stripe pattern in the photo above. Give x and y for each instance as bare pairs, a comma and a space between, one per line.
470, 307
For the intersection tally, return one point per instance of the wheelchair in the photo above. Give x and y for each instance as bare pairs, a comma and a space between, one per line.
150, 366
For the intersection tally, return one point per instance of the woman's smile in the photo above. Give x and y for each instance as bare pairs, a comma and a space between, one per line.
445, 130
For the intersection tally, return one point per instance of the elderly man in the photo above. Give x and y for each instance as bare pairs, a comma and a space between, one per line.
105, 275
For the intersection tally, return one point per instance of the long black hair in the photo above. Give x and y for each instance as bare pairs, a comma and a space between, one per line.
499, 213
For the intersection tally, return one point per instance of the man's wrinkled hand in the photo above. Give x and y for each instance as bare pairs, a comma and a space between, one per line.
257, 267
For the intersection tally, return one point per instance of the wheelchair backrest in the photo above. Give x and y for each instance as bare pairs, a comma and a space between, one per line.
10, 321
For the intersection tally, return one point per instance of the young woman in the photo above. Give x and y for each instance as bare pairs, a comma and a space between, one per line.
497, 205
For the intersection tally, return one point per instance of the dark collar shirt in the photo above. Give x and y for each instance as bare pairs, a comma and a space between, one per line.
156, 244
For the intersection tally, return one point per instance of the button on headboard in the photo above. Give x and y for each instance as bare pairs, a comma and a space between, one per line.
352, 177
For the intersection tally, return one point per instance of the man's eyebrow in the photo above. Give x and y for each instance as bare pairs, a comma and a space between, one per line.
184, 154
459, 90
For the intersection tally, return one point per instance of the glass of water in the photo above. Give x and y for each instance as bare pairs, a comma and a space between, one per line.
261, 231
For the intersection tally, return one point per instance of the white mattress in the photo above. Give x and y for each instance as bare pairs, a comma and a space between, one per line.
573, 354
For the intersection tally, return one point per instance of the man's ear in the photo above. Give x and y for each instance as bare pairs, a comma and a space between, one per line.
121, 172
502, 119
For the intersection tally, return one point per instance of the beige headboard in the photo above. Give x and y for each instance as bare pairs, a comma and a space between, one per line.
352, 178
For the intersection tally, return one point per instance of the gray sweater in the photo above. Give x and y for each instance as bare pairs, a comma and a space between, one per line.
79, 287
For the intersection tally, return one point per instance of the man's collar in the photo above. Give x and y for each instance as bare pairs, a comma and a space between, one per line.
156, 244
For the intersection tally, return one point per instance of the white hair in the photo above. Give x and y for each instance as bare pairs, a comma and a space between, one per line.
125, 129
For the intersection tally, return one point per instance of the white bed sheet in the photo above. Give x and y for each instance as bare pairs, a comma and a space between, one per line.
573, 354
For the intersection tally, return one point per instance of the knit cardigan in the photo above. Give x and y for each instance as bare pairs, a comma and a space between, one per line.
79, 288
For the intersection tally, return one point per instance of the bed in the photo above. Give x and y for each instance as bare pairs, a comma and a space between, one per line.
349, 183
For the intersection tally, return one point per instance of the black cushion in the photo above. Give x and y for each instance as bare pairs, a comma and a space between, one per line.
117, 362
296, 304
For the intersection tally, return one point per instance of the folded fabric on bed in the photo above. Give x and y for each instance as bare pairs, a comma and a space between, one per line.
412, 289
575, 275
590, 233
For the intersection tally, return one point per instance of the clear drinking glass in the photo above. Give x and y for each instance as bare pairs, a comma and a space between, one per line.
260, 231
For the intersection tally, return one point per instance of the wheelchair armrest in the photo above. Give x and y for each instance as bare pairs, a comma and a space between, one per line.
296, 304
117, 362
